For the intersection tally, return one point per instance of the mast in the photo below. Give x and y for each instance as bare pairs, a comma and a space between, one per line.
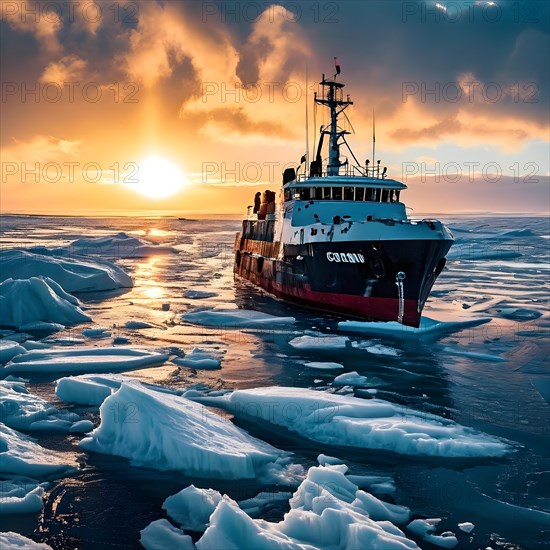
332, 96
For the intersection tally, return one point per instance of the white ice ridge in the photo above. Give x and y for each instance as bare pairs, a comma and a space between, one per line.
425, 528
9, 349
169, 432
85, 359
22, 410
326, 511
20, 497
351, 379
429, 328
235, 318
82, 275
120, 245
25, 302
343, 420
15, 541
21, 456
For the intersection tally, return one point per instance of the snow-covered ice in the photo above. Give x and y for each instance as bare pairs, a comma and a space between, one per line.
74, 275
169, 432
85, 359
25, 302
235, 318
377, 349
343, 420
199, 294
14, 541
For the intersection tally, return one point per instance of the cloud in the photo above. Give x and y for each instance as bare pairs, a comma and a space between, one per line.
68, 69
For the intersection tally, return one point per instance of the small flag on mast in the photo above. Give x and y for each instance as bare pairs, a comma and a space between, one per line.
337, 65
303, 159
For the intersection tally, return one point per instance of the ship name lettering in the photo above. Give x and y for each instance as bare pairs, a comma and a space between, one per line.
345, 257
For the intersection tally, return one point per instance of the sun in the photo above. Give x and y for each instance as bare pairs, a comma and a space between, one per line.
158, 178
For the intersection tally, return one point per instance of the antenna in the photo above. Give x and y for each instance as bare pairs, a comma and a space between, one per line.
307, 125
373, 141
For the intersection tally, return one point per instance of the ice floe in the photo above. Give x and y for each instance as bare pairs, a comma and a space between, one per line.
343, 420
377, 349
20, 455
235, 318
425, 529
191, 508
20, 497
324, 365
199, 294
320, 342
351, 379
138, 325
85, 359
74, 275
162, 535
466, 527
22, 410
168, 432
429, 328
9, 349
38, 304
198, 359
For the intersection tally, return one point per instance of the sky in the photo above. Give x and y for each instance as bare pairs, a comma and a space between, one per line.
190, 107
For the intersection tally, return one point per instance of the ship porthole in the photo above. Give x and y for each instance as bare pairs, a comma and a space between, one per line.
260, 264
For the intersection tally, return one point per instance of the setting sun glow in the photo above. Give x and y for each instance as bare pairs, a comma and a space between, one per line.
158, 178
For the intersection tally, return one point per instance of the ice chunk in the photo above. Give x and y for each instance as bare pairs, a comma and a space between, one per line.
192, 507
323, 460
9, 349
20, 455
20, 497
198, 294
25, 302
15, 541
162, 535
73, 275
138, 325
425, 528
327, 511
198, 359
320, 342
323, 365
259, 504
96, 333
343, 420
168, 432
377, 349
235, 318
466, 526
22, 410
85, 359
351, 379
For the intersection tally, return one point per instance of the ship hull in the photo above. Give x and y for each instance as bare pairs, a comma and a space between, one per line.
353, 278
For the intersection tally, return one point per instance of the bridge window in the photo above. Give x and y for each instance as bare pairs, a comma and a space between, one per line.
385, 195
326, 192
348, 193
288, 195
359, 193
337, 193
304, 193
317, 193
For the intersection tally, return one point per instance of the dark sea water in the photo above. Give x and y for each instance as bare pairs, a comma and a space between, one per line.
498, 268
